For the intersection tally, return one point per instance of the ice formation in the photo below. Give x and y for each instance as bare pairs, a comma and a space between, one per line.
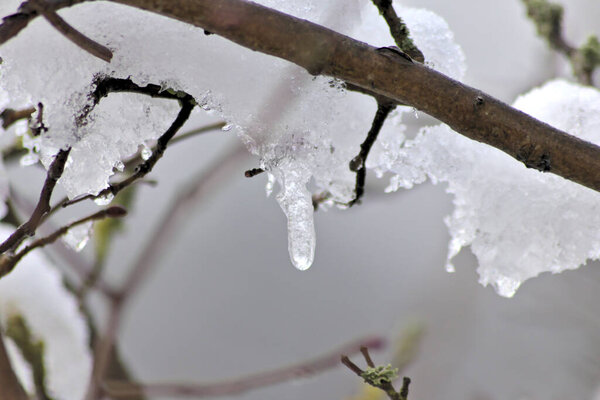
304, 130
36, 292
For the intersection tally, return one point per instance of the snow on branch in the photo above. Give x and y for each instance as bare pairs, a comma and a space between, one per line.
324, 52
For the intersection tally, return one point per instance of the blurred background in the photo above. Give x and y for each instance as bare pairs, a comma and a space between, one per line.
224, 299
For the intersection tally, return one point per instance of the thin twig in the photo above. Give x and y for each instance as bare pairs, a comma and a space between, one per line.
124, 390
85, 43
194, 132
398, 29
548, 20
199, 186
358, 163
107, 85
13, 24
43, 206
379, 377
9, 261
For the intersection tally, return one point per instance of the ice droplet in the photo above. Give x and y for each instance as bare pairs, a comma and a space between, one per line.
270, 183
227, 127
78, 236
146, 152
296, 202
119, 166
104, 199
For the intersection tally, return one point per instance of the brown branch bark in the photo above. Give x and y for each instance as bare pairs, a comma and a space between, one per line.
324, 52
127, 390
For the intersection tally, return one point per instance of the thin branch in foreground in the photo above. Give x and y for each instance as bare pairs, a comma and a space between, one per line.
124, 390
9, 261
358, 163
43, 206
380, 377
398, 29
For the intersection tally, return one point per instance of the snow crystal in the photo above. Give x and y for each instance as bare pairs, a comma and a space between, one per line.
34, 290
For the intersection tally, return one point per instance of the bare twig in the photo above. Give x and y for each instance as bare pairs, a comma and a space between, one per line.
358, 163
28, 228
379, 377
13, 24
398, 29
85, 43
8, 261
124, 390
10, 387
203, 184
194, 132
548, 18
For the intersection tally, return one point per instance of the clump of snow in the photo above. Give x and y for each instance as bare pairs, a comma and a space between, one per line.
275, 107
34, 290
519, 222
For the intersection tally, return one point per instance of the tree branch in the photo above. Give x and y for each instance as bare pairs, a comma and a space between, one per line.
398, 29
126, 390
43, 207
9, 261
380, 377
324, 52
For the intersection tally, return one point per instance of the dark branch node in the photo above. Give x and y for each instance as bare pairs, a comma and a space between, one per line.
253, 172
